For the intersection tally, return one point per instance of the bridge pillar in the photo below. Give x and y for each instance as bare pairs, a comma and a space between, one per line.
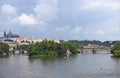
93, 51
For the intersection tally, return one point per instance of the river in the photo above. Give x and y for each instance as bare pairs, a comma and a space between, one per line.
77, 66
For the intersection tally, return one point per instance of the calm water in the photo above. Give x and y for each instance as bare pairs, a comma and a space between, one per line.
78, 66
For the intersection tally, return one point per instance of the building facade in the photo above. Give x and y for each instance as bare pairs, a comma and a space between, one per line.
15, 38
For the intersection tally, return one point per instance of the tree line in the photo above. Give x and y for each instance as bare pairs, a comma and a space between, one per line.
93, 42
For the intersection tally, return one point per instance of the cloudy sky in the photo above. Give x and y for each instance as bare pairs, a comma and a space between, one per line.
62, 19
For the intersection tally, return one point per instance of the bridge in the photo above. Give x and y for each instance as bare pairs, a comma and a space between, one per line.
94, 49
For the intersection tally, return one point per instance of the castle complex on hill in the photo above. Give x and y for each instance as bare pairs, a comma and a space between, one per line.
10, 35
15, 38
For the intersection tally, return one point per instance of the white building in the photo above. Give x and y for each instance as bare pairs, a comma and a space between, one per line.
10, 37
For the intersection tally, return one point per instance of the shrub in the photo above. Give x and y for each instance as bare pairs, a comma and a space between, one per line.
117, 53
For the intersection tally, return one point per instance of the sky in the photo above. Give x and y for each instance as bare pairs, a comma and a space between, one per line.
62, 19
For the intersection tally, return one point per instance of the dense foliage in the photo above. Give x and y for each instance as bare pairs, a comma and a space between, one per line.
51, 48
22, 47
4, 48
116, 49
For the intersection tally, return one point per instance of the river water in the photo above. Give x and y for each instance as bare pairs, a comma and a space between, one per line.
77, 66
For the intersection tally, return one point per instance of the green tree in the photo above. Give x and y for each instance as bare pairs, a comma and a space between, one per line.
23, 47
63, 47
116, 49
44, 48
70, 46
117, 53
4, 48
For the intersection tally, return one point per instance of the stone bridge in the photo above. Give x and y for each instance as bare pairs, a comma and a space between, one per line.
94, 49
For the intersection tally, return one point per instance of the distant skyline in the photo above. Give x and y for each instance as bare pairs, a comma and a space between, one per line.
62, 19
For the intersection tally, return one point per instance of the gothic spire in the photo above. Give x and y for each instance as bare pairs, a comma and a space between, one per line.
4, 33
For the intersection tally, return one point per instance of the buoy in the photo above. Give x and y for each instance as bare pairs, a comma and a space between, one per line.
100, 67
65, 57
28, 68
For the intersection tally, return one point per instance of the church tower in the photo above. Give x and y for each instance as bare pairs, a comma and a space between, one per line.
4, 33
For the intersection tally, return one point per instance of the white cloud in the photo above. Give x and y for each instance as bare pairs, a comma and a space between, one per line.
114, 5
46, 10
25, 19
100, 32
76, 30
8, 9
111, 5
90, 5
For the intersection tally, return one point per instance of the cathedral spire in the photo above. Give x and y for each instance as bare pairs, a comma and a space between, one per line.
4, 33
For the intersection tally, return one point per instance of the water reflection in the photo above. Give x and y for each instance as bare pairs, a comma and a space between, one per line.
77, 66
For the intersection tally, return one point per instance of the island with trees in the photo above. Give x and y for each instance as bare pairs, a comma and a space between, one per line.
51, 48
